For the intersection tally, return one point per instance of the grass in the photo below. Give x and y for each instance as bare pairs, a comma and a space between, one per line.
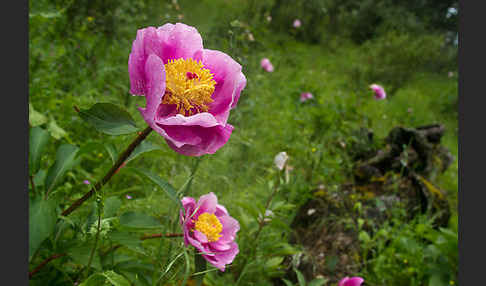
87, 67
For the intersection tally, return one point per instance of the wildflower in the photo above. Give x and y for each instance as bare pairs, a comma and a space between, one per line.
269, 18
379, 91
128, 197
86, 182
450, 74
353, 281
305, 96
250, 37
280, 160
410, 110
90, 19
189, 90
210, 229
266, 65
297, 23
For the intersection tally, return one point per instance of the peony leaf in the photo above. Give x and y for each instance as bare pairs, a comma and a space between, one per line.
42, 220
164, 185
115, 279
64, 161
138, 220
144, 147
109, 118
37, 143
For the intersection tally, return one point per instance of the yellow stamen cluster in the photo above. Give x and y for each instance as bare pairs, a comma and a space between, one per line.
188, 85
210, 225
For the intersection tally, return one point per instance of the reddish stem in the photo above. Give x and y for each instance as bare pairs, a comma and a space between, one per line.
52, 257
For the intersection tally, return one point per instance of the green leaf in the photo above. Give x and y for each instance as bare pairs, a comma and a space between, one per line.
274, 262
55, 130
138, 220
64, 161
164, 185
112, 204
94, 280
37, 143
36, 118
144, 147
109, 118
111, 149
300, 277
200, 264
318, 282
126, 239
115, 279
81, 254
287, 282
42, 221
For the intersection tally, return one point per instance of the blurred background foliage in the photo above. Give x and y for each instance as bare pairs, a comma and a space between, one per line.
78, 53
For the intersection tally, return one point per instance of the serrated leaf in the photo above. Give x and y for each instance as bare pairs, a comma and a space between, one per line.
38, 140
164, 185
138, 220
36, 118
64, 161
55, 130
42, 221
144, 147
115, 279
109, 118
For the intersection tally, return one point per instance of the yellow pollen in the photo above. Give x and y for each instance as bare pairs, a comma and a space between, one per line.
209, 225
188, 85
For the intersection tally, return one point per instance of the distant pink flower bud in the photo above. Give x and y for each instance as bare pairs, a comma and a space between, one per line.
379, 91
297, 23
305, 96
266, 65
353, 281
128, 197
86, 182
280, 160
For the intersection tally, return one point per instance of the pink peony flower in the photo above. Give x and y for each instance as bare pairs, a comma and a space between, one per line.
305, 96
379, 91
266, 65
353, 281
297, 23
189, 90
210, 229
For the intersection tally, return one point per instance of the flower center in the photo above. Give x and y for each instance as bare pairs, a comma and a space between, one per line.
188, 85
209, 225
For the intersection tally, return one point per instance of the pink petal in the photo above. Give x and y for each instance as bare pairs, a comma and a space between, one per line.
206, 204
353, 281
229, 82
230, 228
179, 41
155, 88
201, 237
212, 139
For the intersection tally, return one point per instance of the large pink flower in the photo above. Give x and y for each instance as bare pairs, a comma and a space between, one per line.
379, 91
210, 229
353, 281
189, 90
